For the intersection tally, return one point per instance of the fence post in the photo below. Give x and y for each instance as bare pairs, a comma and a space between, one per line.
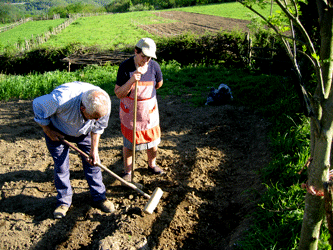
249, 47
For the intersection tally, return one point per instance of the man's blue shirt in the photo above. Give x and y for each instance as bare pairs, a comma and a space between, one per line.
62, 108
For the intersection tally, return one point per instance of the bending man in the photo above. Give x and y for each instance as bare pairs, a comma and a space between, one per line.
78, 112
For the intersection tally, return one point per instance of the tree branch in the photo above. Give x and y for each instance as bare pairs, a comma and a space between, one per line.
292, 52
307, 38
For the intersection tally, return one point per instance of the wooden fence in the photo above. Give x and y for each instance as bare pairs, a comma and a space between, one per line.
89, 14
34, 42
8, 27
268, 56
40, 39
47, 17
253, 51
99, 58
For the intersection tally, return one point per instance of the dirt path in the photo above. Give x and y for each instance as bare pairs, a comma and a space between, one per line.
210, 154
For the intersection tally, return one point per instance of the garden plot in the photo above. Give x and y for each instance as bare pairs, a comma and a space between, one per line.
211, 156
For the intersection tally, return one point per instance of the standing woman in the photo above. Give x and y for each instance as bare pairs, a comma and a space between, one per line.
148, 73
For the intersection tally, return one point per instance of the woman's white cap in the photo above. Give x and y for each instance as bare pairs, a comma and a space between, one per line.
148, 47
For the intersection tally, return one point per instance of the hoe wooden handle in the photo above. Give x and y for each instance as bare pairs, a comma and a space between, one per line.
129, 184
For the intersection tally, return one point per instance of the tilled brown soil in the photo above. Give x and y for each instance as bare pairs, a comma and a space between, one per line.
194, 22
211, 156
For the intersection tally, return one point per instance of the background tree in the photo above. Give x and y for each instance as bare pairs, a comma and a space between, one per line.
319, 105
79, 7
119, 6
9, 13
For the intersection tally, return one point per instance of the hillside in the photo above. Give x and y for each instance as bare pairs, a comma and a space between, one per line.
59, 2
36, 7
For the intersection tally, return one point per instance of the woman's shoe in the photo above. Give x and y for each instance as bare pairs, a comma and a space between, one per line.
127, 177
156, 170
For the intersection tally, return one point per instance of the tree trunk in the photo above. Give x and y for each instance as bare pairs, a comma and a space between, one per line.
321, 138
314, 204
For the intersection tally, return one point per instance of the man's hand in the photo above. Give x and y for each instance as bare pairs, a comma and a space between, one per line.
93, 158
93, 154
52, 134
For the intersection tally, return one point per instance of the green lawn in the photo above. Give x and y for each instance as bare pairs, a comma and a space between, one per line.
27, 31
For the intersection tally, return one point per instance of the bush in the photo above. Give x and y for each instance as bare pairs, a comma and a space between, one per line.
225, 48
119, 6
222, 48
141, 7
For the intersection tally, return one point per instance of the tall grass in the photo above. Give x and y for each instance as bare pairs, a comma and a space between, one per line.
34, 84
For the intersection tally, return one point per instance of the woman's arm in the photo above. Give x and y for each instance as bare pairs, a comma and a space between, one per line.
122, 91
159, 84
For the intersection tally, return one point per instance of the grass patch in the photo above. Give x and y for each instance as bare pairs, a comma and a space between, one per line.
35, 84
107, 32
26, 31
230, 10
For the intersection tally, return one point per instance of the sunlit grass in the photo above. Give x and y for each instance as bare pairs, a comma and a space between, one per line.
107, 31
230, 10
114, 30
26, 31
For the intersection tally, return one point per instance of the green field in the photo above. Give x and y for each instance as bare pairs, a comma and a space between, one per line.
230, 10
114, 30
106, 31
26, 31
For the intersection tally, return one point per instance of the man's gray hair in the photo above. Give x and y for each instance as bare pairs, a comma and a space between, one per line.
96, 101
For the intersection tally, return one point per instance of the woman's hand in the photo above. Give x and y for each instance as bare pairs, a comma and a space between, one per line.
122, 91
135, 77
142, 69
139, 72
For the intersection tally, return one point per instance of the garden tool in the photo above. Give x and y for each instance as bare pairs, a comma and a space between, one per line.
153, 199
134, 128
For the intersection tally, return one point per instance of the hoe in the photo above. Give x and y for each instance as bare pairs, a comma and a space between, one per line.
153, 199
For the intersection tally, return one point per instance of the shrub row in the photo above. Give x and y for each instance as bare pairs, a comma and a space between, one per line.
229, 49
